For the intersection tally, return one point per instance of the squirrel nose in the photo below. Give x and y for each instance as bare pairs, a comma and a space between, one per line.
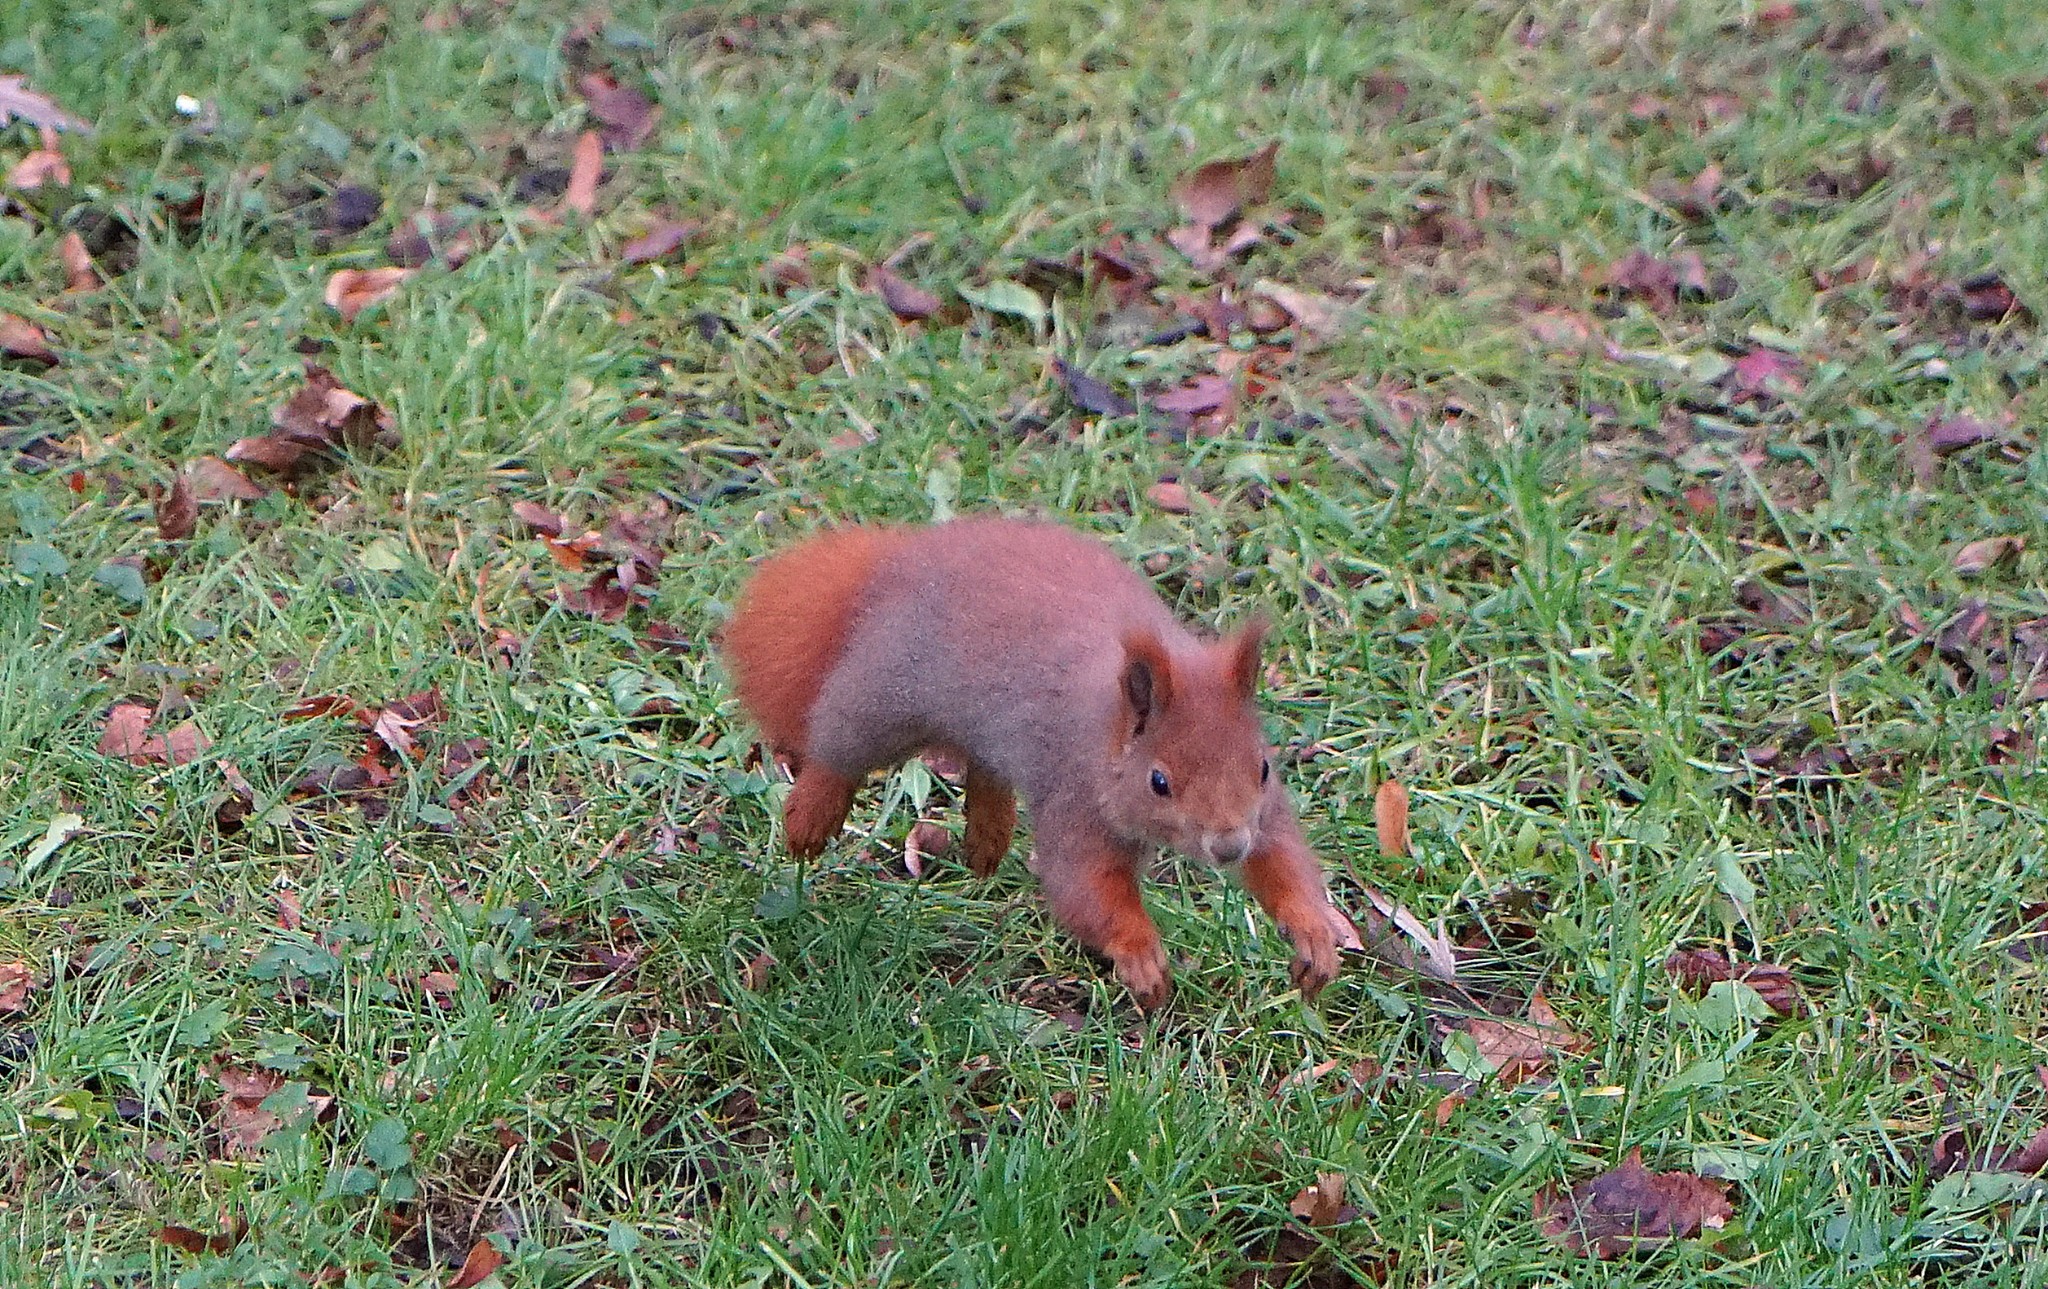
1230, 847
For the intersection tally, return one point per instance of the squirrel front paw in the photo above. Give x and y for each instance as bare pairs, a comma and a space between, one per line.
1143, 972
1315, 955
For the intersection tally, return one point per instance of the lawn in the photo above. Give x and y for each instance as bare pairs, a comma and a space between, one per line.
1627, 413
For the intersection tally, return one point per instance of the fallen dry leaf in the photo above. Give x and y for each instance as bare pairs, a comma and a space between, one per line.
661, 241
1390, 818
1203, 393
44, 165
484, 1258
213, 479
1953, 1151
19, 102
79, 273
1696, 970
1211, 193
1323, 1203
1945, 435
1171, 497
926, 838
350, 291
1987, 553
15, 980
1631, 1209
191, 1241
754, 976
126, 735
626, 115
239, 1116
1518, 1050
177, 510
587, 167
906, 300
20, 338
1090, 395
319, 418
1316, 316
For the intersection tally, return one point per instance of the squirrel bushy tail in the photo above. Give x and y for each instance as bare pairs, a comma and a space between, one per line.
790, 627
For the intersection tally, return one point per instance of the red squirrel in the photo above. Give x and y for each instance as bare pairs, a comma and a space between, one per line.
1051, 668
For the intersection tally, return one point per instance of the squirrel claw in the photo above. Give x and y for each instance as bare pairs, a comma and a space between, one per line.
1315, 961
1144, 974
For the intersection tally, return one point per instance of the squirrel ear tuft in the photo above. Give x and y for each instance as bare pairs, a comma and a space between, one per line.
1148, 677
1245, 646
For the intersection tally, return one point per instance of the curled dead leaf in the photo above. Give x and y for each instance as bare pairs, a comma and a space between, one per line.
212, 479
187, 1240
1986, 553
1211, 193
126, 735
626, 115
661, 241
15, 981
1390, 818
754, 976
20, 338
585, 169
177, 510
1323, 1203
350, 291
79, 273
44, 165
905, 299
484, 1258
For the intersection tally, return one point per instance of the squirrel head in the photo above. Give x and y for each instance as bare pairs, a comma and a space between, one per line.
1189, 766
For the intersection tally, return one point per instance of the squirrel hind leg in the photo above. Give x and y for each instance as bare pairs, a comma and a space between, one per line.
816, 809
991, 821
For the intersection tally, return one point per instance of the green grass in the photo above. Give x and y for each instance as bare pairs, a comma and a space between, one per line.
1565, 592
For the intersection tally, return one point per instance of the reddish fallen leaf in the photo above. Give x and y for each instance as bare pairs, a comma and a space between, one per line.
1210, 194
239, 1116
212, 479
1519, 1050
1631, 1209
44, 165
1315, 315
1204, 393
1323, 1203
126, 735
1696, 970
1390, 818
1986, 298
1760, 369
484, 1258
585, 169
15, 980
20, 338
177, 510
1171, 497
1954, 1152
19, 102
661, 241
1987, 553
351, 291
1197, 243
539, 518
604, 599
190, 1241
754, 976
321, 705
926, 838
320, 418
289, 914
626, 115
79, 273
666, 637
905, 299
440, 988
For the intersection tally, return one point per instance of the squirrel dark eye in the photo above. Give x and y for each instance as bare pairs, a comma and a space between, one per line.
1265, 772
1160, 785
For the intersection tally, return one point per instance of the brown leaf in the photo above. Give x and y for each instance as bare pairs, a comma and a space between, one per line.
1696, 970
905, 299
661, 241
604, 599
539, 518
483, 1259
926, 838
1195, 242
212, 479
1210, 194
318, 419
351, 291
79, 273
1315, 315
627, 118
15, 981
1630, 1208
1762, 369
1323, 1203
1090, 395
1518, 1050
44, 165
1170, 497
1986, 553
126, 735
20, 338
289, 913
1390, 818
580, 197
754, 976
19, 102
191, 1241
1204, 393
177, 510
1986, 298
239, 1115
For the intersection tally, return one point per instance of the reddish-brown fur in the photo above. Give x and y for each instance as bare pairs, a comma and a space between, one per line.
785, 634
1051, 669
